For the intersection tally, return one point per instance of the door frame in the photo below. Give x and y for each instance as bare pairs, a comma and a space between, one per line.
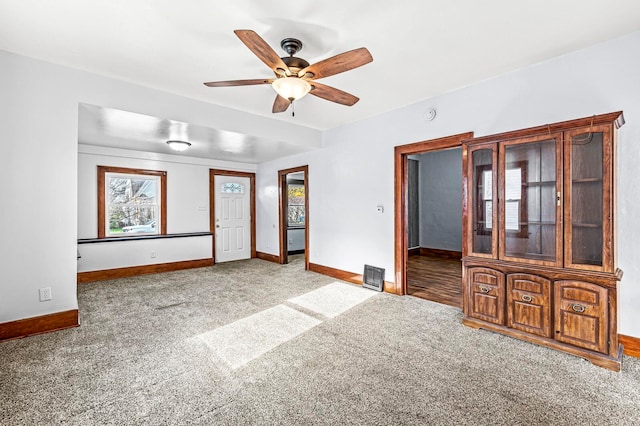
400, 198
212, 209
282, 216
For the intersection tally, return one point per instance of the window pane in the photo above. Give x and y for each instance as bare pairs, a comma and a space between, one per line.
482, 200
530, 200
586, 198
128, 218
295, 201
232, 188
296, 215
132, 205
132, 190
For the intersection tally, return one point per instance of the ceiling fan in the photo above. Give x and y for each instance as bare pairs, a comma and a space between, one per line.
294, 76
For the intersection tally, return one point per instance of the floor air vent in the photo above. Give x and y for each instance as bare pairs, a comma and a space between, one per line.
373, 278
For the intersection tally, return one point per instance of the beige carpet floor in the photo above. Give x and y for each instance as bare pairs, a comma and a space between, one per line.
139, 358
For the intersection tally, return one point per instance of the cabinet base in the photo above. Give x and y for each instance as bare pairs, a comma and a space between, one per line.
601, 360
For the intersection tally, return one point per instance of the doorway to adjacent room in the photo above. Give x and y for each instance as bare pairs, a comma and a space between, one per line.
293, 190
428, 219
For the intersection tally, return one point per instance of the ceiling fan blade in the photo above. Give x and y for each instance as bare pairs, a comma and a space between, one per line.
238, 82
340, 63
332, 94
262, 50
280, 104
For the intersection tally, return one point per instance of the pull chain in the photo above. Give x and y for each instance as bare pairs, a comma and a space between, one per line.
293, 109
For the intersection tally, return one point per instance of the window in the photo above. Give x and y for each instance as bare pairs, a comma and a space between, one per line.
295, 197
232, 188
131, 202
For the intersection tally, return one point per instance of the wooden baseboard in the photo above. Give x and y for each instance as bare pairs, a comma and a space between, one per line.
38, 325
269, 257
111, 274
414, 251
445, 254
631, 345
349, 277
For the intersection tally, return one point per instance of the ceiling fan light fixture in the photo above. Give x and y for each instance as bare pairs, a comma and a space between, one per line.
178, 145
291, 88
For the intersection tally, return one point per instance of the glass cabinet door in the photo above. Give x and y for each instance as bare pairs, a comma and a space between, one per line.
588, 214
483, 195
530, 200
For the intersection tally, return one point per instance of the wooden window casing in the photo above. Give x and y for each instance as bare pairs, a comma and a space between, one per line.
102, 172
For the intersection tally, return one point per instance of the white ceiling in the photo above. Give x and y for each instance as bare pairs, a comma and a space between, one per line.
421, 48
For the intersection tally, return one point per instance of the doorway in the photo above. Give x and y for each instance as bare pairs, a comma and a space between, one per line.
293, 193
232, 215
427, 264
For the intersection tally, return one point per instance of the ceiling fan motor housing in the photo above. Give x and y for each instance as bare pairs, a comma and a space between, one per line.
295, 64
293, 46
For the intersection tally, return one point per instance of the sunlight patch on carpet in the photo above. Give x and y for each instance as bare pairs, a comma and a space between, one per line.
248, 338
333, 299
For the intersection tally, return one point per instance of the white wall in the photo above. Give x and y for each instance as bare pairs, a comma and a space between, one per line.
441, 199
345, 230
187, 208
39, 169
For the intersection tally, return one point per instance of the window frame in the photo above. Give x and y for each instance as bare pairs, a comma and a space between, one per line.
102, 173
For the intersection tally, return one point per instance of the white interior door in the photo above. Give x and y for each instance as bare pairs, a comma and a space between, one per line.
232, 217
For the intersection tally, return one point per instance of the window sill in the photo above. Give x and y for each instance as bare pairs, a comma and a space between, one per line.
142, 237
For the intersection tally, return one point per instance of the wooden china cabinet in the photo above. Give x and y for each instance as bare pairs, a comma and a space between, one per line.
538, 229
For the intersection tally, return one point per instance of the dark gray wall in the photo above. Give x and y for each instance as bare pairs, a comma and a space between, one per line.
441, 199
413, 203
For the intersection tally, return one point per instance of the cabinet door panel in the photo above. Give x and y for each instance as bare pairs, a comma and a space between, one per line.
486, 295
581, 314
482, 198
588, 202
528, 302
530, 204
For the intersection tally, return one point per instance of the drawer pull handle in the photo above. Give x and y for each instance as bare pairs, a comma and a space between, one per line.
484, 289
578, 308
526, 298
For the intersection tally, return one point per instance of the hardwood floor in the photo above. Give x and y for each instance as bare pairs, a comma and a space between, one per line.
435, 278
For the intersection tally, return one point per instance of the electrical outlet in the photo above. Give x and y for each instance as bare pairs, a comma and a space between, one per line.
153, 254
45, 294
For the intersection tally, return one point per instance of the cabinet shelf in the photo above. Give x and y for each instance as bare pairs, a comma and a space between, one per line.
536, 223
533, 256
541, 183
586, 180
586, 225
593, 262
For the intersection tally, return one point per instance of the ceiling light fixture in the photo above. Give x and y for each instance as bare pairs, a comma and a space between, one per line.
291, 88
178, 145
